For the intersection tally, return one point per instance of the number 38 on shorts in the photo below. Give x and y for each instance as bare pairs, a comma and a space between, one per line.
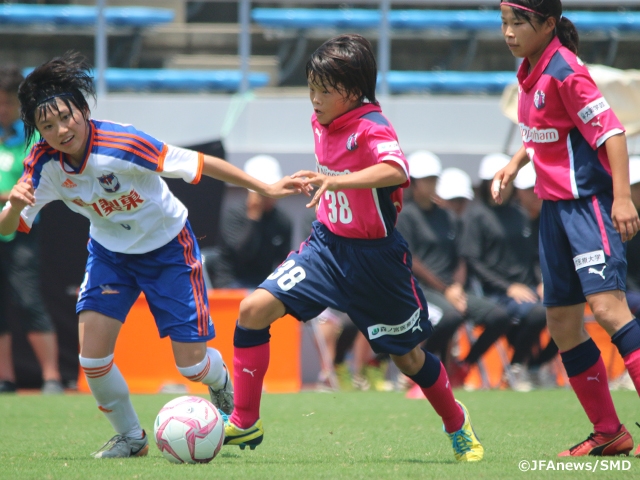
288, 275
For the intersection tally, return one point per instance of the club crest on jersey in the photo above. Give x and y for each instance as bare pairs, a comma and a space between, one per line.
109, 182
539, 99
352, 142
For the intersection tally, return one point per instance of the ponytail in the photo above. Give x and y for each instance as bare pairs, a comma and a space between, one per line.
567, 34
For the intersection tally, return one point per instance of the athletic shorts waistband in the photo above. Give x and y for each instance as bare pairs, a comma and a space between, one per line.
328, 236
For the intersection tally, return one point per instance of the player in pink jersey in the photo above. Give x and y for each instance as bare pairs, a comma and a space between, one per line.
354, 261
140, 239
579, 151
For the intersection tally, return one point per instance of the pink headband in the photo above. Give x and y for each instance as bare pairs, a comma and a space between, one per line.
515, 5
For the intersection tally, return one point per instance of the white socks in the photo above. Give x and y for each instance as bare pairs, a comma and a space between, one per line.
209, 371
112, 394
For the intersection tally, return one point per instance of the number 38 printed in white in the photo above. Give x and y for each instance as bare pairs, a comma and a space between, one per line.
338, 204
288, 277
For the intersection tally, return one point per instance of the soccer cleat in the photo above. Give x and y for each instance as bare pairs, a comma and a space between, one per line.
52, 387
466, 446
123, 447
242, 437
602, 445
223, 398
7, 387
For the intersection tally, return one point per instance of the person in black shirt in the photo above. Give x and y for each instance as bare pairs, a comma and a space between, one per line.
432, 233
500, 250
256, 236
540, 367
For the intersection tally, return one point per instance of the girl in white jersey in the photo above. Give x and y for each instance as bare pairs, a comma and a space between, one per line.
140, 239
354, 261
578, 148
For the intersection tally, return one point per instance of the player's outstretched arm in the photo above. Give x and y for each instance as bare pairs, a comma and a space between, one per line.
219, 169
22, 194
505, 176
623, 213
381, 175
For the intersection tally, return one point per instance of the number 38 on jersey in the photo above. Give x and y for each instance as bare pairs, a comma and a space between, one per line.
338, 206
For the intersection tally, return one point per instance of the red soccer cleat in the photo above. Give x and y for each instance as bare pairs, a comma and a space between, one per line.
603, 445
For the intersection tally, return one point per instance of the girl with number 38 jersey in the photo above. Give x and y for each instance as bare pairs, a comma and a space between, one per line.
579, 151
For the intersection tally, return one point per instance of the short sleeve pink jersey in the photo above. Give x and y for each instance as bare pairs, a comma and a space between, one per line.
564, 121
359, 139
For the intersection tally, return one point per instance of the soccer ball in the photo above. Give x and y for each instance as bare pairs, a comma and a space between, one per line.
189, 430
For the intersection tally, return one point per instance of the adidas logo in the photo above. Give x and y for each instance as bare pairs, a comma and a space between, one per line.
68, 183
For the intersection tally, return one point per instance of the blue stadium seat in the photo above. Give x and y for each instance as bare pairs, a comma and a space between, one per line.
304, 18
449, 82
79, 15
124, 79
136, 80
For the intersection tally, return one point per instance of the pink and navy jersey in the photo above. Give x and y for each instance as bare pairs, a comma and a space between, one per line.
359, 139
564, 122
118, 187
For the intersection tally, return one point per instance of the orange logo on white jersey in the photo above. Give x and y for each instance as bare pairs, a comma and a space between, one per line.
68, 183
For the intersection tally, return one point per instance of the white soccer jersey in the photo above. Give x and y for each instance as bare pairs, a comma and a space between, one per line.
118, 187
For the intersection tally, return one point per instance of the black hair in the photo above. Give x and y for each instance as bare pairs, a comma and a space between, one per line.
67, 78
345, 63
543, 10
10, 78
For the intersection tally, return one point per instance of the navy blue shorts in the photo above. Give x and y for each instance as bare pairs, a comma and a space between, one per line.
370, 280
580, 251
170, 277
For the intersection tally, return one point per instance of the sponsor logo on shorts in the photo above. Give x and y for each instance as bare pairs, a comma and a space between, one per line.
535, 135
588, 259
598, 272
594, 109
107, 290
381, 329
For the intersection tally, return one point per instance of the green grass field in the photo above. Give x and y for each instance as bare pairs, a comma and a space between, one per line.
315, 435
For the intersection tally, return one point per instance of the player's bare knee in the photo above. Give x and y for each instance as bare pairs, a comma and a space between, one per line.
409, 363
259, 310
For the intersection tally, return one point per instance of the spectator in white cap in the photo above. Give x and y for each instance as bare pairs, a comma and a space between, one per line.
255, 236
432, 233
455, 190
525, 183
500, 250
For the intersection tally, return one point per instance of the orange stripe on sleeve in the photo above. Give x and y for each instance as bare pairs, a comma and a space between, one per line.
127, 141
200, 167
161, 158
133, 136
127, 149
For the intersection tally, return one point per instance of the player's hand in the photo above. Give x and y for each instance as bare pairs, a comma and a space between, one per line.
502, 179
323, 182
22, 195
285, 187
521, 293
540, 291
625, 218
457, 297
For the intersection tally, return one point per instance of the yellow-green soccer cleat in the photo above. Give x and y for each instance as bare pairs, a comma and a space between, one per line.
466, 446
251, 436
